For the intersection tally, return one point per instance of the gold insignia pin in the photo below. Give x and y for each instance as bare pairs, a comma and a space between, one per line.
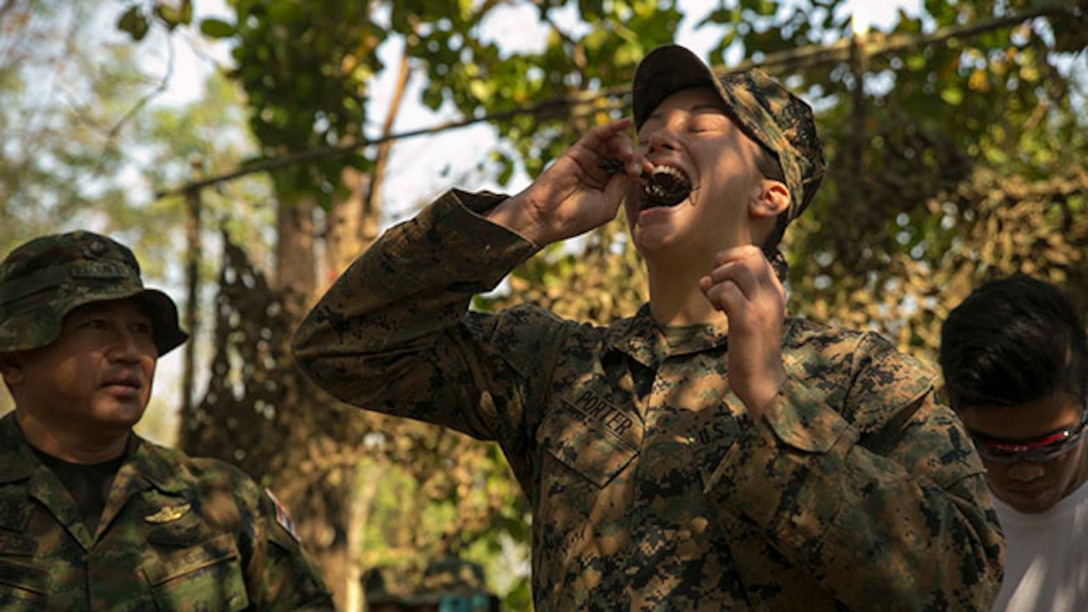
167, 514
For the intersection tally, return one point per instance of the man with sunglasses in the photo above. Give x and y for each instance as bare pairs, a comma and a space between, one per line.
1015, 358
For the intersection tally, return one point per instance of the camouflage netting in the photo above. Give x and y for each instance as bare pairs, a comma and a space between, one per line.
988, 226
261, 414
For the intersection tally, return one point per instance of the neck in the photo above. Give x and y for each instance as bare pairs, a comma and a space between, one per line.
73, 446
676, 299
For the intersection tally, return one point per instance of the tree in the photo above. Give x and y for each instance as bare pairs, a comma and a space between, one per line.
61, 160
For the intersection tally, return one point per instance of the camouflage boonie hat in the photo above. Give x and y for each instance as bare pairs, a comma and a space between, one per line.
767, 112
44, 279
453, 575
457, 584
450, 582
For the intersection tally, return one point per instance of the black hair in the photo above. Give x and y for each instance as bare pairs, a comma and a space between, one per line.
1013, 341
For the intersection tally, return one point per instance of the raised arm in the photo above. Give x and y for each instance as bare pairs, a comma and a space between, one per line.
395, 334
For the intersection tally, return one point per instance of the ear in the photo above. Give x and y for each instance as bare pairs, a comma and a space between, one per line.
770, 198
12, 369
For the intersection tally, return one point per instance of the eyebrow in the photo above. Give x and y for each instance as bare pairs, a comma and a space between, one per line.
698, 108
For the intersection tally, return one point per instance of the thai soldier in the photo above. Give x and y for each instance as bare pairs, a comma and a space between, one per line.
92, 516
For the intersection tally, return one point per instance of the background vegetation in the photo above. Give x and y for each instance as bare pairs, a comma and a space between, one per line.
955, 142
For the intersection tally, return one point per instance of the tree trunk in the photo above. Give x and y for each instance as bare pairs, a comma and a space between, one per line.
295, 258
344, 225
366, 488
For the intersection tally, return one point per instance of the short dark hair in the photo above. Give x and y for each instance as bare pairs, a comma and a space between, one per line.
1012, 341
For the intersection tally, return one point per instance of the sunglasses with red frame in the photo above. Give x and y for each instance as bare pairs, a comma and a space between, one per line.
1040, 449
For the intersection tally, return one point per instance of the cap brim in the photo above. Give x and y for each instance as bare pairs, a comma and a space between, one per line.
663, 72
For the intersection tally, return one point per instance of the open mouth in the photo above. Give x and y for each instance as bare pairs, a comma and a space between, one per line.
664, 187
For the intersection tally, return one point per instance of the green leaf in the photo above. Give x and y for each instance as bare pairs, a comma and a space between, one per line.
284, 11
215, 28
481, 90
134, 23
172, 16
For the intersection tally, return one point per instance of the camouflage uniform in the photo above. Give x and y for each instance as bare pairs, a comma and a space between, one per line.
176, 533
649, 484
651, 488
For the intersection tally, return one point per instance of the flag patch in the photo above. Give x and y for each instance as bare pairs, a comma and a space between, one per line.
282, 517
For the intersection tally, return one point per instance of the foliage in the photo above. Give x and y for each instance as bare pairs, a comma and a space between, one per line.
58, 160
995, 105
85, 147
305, 67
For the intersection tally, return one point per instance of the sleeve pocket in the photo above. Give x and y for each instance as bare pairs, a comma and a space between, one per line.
584, 446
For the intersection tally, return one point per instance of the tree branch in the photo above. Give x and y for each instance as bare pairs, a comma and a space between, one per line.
808, 56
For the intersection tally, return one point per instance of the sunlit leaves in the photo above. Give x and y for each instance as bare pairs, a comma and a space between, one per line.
952, 95
306, 68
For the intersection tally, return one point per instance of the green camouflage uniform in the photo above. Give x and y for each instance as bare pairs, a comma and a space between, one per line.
177, 533
650, 487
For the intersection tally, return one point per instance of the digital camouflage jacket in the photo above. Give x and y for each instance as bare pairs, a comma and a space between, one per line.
177, 533
651, 488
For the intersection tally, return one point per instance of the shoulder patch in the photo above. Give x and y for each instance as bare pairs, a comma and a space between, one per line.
282, 517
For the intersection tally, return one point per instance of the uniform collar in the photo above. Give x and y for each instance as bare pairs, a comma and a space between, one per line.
152, 462
641, 338
17, 460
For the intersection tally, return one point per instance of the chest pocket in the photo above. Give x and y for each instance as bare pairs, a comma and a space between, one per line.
205, 575
584, 445
22, 586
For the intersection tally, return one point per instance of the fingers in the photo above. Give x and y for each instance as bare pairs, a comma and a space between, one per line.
608, 135
742, 277
743, 286
605, 146
575, 194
